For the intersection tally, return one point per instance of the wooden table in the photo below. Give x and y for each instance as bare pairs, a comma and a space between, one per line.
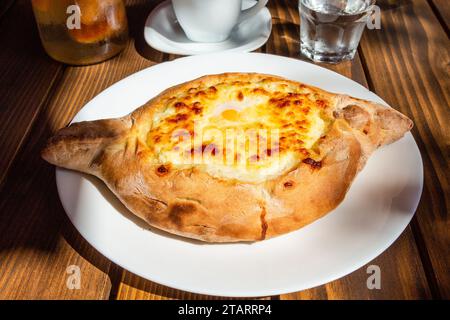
406, 63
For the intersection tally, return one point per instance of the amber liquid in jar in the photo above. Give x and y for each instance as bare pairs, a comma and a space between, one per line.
81, 32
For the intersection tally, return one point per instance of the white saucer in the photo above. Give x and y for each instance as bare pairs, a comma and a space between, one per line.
163, 32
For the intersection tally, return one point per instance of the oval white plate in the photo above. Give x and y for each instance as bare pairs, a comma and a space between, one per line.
162, 32
376, 210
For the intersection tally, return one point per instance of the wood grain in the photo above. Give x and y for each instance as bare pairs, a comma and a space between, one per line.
26, 78
442, 10
402, 277
133, 287
408, 63
37, 242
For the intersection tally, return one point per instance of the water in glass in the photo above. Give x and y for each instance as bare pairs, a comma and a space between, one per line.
330, 30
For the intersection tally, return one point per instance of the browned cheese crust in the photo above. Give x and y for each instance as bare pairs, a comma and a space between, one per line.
194, 204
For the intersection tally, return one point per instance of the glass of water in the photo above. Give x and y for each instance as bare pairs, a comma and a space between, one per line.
330, 30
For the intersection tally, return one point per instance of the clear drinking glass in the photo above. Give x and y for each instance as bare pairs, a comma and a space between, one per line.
101, 33
330, 30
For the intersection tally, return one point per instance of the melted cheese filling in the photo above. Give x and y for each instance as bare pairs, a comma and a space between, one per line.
245, 131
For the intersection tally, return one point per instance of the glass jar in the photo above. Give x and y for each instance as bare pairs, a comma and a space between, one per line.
81, 32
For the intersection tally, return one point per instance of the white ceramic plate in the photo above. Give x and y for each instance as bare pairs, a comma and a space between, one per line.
376, 210
162, 32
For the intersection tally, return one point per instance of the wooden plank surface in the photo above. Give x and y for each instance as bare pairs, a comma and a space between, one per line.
402, 277
442, 10
133, 287
38, 243
407, 61
26, 78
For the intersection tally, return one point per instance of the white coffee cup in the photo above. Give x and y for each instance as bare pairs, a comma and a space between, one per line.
212, 20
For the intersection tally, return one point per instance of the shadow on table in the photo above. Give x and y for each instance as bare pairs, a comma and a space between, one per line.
137, 12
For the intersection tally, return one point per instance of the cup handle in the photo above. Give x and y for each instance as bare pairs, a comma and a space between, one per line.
250, 12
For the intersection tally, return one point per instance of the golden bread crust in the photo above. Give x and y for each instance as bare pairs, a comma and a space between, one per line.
192, 203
